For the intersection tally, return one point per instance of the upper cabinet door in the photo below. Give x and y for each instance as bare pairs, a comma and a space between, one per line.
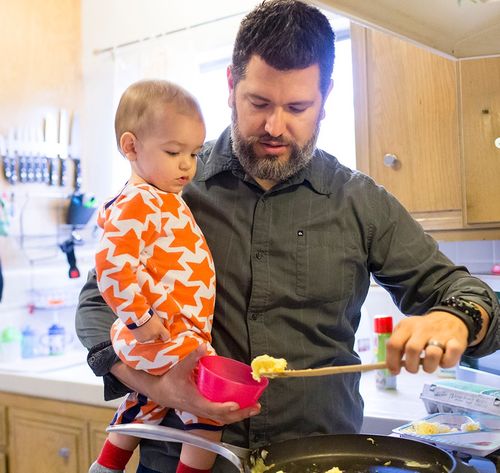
407, 121
480, 101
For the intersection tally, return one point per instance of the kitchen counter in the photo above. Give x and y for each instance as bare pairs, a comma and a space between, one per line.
384, 410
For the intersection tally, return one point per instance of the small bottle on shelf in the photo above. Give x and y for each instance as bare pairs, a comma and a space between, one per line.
28, 342
383, 330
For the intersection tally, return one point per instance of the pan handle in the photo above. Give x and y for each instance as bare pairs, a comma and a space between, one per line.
238, 456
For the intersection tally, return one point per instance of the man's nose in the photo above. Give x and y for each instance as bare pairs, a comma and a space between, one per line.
275, 122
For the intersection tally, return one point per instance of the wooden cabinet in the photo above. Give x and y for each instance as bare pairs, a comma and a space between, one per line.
480, 104
3, 439
46, 442
49, 436
410, 125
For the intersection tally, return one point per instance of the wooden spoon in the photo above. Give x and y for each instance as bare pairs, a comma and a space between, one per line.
325, 371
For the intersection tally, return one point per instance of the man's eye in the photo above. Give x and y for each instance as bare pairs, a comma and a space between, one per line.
296, 109
259, 105
172, 153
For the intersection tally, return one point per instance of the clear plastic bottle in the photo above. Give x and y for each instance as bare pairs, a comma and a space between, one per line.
383, 330
57, 339
28, 342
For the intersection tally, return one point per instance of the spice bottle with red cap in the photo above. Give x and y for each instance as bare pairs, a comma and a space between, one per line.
383, 330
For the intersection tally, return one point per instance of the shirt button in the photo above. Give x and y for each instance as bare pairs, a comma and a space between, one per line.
259, 255
254, 315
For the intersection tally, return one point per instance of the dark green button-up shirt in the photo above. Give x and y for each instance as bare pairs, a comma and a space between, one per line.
293, 269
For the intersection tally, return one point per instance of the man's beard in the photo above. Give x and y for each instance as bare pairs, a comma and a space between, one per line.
269, 167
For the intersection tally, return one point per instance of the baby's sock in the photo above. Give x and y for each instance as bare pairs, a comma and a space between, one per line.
112, 458
96, 468
181, 468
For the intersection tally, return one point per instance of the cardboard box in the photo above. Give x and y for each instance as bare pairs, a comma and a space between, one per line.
454, 396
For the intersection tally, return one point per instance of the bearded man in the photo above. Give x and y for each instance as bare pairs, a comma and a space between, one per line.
295, 238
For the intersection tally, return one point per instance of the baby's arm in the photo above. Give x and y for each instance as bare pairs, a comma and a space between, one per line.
127, 228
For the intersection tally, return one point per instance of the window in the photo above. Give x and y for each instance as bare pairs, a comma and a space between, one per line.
202, 70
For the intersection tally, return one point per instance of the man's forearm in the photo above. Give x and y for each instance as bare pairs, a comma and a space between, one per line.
136, 380
93, 318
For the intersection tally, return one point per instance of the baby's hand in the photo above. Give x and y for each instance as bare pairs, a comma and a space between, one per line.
152, 330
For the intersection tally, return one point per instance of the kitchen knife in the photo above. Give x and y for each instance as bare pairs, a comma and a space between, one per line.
11, 159
22, 155
74, 151
3, 155
31, 152
39, 159
50, 138
63, 143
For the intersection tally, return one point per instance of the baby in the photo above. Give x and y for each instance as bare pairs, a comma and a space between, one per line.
153, 265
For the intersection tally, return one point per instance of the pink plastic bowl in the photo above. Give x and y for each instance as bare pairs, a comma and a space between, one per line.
222, 379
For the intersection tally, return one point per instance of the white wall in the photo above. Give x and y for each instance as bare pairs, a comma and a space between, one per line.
116, 22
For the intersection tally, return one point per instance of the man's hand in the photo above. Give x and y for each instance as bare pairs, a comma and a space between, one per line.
177, 389
152, 330
439, 336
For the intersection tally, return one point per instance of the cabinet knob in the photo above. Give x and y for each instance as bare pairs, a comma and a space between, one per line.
64, 452
497, 142
392, 161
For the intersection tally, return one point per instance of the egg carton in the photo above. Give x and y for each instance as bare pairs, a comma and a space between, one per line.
454, 396
481, 442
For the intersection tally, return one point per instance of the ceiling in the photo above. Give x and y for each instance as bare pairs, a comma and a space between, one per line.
457, 28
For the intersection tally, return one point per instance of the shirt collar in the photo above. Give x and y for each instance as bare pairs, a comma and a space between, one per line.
218, 157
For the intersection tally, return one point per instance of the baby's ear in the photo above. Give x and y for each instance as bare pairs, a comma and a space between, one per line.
128, 145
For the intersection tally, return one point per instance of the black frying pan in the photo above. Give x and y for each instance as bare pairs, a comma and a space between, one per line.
355, 453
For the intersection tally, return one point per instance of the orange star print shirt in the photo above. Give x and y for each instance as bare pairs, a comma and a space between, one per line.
153, 257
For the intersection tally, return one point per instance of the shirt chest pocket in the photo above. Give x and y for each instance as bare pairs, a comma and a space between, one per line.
325, 267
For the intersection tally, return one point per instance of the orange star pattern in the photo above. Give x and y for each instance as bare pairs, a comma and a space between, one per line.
147, 351
150, 296
168, 306
130, 248
201, 272
207, 306
135, 305
172, 204
150, 235
124, 278
109, 295
185, 237
134, 208
102, 262
185, 293
166, 260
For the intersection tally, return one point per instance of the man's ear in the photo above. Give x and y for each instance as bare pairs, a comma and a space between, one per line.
330, 87
128, 145
230, 84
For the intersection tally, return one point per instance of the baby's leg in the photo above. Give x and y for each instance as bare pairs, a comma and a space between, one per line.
115, 453
195, 459
118, 448
125, 442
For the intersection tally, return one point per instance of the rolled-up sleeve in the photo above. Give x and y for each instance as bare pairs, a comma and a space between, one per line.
407, 262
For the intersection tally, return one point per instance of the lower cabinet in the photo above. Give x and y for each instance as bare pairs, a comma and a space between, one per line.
50, 436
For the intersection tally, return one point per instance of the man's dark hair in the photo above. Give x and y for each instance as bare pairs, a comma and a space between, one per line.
286, 34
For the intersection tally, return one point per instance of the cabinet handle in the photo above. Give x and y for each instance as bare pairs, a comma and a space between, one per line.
64, 452
497, 142
392, 161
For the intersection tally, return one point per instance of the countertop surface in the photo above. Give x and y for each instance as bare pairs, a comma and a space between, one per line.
70, 379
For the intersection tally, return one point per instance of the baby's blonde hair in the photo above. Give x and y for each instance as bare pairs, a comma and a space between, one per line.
139, 103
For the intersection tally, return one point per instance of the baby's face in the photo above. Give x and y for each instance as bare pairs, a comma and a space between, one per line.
167, 153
